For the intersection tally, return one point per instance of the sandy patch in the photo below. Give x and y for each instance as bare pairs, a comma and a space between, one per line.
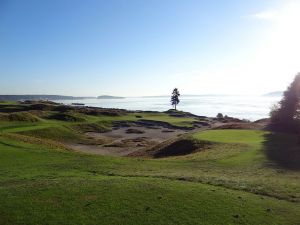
126, 140
158, 134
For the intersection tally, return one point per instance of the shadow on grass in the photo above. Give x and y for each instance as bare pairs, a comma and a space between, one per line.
181, 147
12, 108
283, 149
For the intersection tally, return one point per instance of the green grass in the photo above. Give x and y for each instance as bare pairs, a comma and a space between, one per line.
250, 140
60, 133
72, 117
60, 130
48, 186
114, 200
8, 103
177, 121
68, 131
252, 137
240, 160
233, 181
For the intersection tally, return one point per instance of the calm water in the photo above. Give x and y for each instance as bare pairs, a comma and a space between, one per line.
243, 107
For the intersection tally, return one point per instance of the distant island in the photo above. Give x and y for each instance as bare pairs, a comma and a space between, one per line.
52, 97
109, 97
40, 97
274, 94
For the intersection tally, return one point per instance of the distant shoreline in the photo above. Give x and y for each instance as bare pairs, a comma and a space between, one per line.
66, 97
41, 97
53, 97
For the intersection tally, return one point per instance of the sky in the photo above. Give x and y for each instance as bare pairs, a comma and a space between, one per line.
148, 47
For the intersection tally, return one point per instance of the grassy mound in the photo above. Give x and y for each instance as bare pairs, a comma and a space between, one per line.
39, 113
11, 108
56, 133
19, 117
92, 127
178, 147
178, 113
68, 117
102, 111
158, 123
41, 106
63, 108
242, 126
162, 119
38, 141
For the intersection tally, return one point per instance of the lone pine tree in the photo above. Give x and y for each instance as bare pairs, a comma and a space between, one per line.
175, 98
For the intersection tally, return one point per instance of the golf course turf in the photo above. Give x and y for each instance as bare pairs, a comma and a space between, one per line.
232, 180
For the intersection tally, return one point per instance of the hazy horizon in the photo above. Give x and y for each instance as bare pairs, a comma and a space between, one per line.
146, 48
148, 96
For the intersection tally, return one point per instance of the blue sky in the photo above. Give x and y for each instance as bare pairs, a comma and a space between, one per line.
139, 47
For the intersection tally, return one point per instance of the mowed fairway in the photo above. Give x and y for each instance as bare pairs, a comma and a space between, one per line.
248, 142
232, 182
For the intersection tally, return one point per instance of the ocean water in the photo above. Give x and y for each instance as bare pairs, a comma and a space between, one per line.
243, 107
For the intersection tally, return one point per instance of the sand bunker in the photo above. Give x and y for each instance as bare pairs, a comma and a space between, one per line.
123, 141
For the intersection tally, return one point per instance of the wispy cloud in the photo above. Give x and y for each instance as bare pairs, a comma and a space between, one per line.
270, 15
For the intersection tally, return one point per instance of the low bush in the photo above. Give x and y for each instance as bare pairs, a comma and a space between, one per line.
19, 116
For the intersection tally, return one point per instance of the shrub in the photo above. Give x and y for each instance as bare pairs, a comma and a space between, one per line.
66, 117
220, 116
